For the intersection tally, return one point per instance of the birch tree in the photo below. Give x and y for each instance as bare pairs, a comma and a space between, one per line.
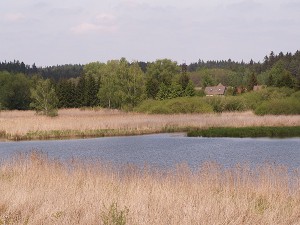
44, 99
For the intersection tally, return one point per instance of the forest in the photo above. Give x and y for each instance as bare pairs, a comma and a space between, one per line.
163, 86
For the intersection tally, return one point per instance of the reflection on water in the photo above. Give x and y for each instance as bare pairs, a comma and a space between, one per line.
166, 150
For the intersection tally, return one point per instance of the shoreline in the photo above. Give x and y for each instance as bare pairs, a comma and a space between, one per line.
76, 123
211, 132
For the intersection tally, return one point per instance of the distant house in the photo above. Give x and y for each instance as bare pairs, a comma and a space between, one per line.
215, 90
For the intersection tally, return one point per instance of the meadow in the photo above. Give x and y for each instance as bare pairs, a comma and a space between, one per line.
37, 190
77, 123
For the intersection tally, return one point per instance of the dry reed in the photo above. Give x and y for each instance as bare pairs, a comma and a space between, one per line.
18, 123
37, 190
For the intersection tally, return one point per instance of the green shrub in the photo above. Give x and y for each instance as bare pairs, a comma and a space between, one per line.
114, 216
285, 106
229, 103
216, 103
233, 104
296, 95
255, 98
175, 106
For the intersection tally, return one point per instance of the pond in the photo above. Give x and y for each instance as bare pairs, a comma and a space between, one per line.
166, 150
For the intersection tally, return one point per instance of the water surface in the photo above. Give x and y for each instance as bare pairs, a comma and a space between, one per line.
166, 150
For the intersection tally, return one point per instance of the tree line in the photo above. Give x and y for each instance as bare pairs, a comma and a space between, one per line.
123, 85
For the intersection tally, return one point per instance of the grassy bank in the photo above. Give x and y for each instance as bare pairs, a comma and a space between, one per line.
79, 134
75, 123
36, 190
279, 132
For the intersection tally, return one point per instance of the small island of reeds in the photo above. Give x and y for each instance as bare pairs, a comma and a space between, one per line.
242, 132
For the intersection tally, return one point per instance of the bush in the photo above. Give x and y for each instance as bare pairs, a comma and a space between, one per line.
114, 216
285, 106
255, 98
175, 106
234, 104
230, 103
296, 95
216, 103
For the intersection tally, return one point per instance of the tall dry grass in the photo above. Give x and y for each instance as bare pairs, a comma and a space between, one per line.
21, 122
36, 190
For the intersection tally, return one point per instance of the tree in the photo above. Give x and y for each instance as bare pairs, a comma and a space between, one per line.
14, 91
122, 85
92, 89
286, 80
270, 80
44, 99
252, 81
207, 80
67, 94
161, 71
190, 89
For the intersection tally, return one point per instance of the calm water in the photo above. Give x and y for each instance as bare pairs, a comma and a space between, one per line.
166, 150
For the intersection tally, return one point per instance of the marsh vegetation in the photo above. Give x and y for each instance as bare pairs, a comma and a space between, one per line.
38, 190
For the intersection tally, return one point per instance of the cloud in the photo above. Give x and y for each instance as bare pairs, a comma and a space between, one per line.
14, 17
84, 28
105, 19
102, 22
244, 6
41, 4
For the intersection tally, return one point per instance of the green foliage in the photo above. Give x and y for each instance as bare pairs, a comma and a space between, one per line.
14, 91
114, 216
284, 106
44, 99
209, 77
252, 81
296, 95
67, 94
261, 205
229, 103
176, 105
190, 89
234, 104
169, 92
95, 70
216, 103
243, 132
122, 86
183, 80
254, 99
286, 80
160, 72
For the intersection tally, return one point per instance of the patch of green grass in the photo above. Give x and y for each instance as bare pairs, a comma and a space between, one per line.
241, 132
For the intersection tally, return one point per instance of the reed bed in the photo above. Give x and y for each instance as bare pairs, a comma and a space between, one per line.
37, 190
241, 132
76, 122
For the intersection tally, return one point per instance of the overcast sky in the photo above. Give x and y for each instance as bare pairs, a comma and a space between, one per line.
81, 31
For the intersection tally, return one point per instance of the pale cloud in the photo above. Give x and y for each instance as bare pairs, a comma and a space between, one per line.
85, 28
105, 18
14, 17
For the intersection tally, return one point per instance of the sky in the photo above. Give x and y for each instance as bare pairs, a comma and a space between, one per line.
60, 32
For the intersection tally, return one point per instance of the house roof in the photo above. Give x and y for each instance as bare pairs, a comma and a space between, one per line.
215, 90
